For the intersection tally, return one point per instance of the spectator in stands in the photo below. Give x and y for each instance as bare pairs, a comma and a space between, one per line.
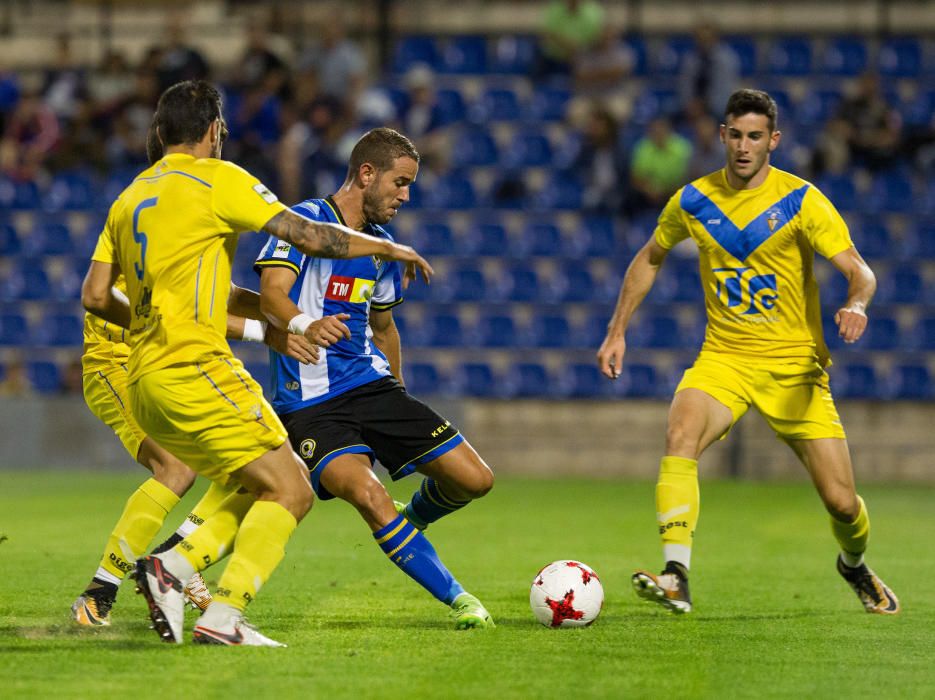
262, 65
601, 70
9, 96
831, 152
177, 60
421, 117
111, 82
64, 86
707, 151
131, 119
339, 63
72, 383
31, 134
569, 27
874, 127
16, 381
601, 162
658, 167
709, 74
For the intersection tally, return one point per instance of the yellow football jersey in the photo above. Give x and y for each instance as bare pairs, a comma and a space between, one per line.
756, 249
173, 232
104, 343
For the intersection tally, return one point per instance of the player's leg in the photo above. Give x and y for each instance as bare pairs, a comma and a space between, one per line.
696, 419
350, 477
451, 481
828, 462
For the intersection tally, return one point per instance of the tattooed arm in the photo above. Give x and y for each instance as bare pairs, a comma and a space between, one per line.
324, 240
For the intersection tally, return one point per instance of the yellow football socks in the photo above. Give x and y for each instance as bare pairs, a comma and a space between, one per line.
142, 517
205, 508
853, 536
677, 503
258, 549
213, 540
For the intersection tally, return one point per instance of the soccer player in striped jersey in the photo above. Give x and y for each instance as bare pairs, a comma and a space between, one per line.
173, 232
351, 407
757, 229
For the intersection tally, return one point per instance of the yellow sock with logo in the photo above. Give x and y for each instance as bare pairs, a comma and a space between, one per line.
258, 549
853, 536
205, 508
141, 520
677, 503
213, 539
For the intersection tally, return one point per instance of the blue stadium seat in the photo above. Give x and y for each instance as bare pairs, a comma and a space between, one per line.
467, 283
917, 112
476, 379
595, 237
529, 380
872, 238
9, 240
26, 196
652, 103
746, 51
552, 331
423, 379
27, 283
464, 55
900, 57
14, 330
262, 374
44, 376
844, 56
49, 236
71, 191
433, 238
636, 44
496, 104
451, 106
638, 381
912, 382
584, 381
840, 189
923, 239
669, 57
538, 238
855, 381
574, 283
817, 107
59, 330
416, 49
687, 281
527, 148
454, 190
549, 103
520, 282
474, 146
562, 191
662, 331
883, 333
903, 285
923, 334
443, 330
790, 56
891, 192
485, 238
595, 328
513, 55
497, 331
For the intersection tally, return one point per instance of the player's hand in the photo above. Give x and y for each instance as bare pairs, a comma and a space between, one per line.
852, 322
415, 264
327, 331
295, 346
610, 356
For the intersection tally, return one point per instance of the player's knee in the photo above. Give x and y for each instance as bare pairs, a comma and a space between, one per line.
477, 483
842, 504
680, 439
171, 472
370, 498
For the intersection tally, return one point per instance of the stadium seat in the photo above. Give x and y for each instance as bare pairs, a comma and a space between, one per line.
882, 333
70, 191
538, 238
454, 190
903, 285
14, 330
687, 281
661, 331
817, 107
551, 331
451, 106
636, 44
923, 334
513, 55
595, 237
520, 282
528, 380
464, 55
49, 236
891, 192
476, 379
465, 283
549, 103
45, 376
423, 379
844, 56
840, 189
473, 146
26, 196
789, 56
745, 49
496, 104
583, 381
595, 328
443, 330
59, 330
872, 238
262, 373
563, 191
485, 238
9, 240
433, 238
900, 57
27, 283
527, 148
497, 331
669, 56
412, 50
922, 239
855, 381
573, 283
917, 111
638, 381
652, 103
912, 382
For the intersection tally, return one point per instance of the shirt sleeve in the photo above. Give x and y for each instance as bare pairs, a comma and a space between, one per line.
104, 250
388, 291
241, 201
823, 226
670, 228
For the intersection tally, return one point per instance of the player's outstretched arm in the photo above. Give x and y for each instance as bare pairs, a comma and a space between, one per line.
99, 296
638, 280
325, 240
283, 314
861, 285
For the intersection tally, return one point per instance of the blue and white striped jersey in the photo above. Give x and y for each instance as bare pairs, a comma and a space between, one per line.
322, 288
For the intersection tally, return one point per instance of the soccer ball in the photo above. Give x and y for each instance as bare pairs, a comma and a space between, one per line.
566, 593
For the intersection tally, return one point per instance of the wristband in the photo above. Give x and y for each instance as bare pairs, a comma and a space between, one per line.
254, 331
299, 324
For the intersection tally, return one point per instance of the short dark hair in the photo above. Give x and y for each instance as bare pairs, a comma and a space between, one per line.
154, 149
748, 101
185, 112
380, 147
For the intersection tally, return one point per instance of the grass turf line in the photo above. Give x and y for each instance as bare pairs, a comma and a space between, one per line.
772, 618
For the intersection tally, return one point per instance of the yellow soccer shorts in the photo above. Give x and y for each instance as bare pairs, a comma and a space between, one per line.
105, 392
211, 415
794, 397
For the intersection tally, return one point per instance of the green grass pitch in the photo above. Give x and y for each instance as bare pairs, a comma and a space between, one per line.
772, 618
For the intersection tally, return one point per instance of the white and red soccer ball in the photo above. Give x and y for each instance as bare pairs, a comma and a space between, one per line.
566, 593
